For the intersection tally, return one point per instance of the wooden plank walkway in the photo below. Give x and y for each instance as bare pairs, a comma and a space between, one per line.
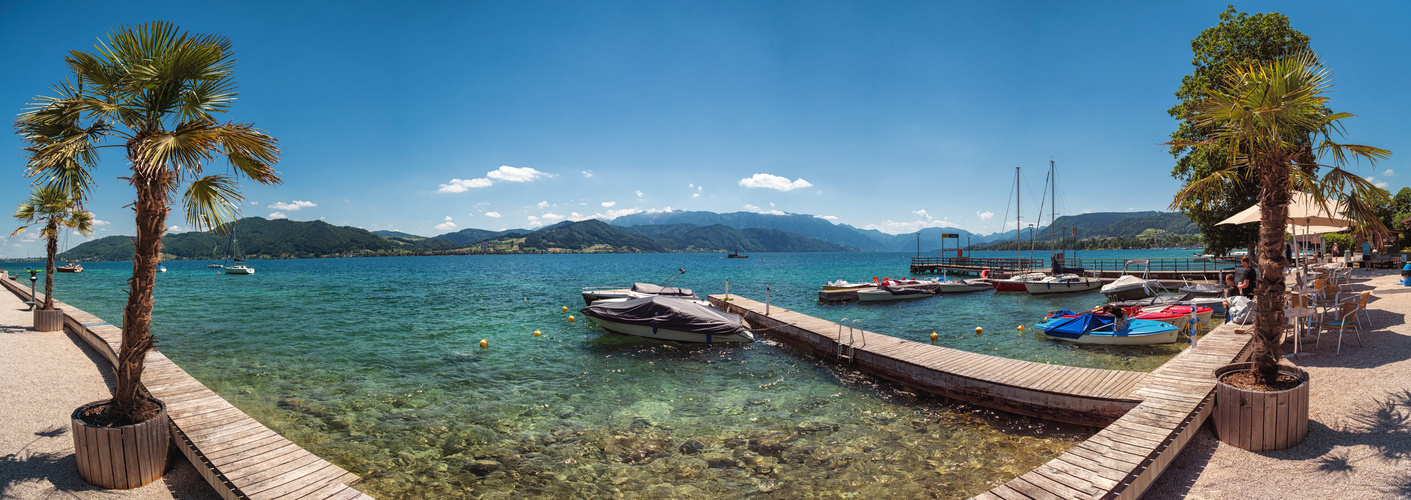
1120, 461
1086, 396
238, 456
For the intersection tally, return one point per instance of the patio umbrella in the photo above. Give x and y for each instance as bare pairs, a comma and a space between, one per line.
1304, 211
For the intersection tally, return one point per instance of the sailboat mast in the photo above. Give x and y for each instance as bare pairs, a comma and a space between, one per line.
1053, 207
1018, 233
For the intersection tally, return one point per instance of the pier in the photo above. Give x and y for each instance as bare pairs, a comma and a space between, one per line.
1167, 269
1146, 418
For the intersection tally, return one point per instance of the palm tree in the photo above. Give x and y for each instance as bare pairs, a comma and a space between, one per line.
152, 90
1272, 119
56, 209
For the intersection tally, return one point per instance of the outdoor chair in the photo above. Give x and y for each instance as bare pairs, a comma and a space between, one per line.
1345, 320
1362, 309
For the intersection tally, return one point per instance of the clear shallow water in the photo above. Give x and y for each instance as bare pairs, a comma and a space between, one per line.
374, 364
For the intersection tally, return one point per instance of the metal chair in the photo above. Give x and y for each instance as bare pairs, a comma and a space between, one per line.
1345, 320
1362, 308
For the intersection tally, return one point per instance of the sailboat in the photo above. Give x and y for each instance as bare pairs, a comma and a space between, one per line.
238, 263
1060, 282
1016, 283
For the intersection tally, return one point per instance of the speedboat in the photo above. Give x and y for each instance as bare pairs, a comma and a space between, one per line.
594, 294
669, 318
1177, 316
215, 266
1016, 283
890, 292
1128, 287
1205, 289
240, 269
964, 286
69, 267
846, 285
1093, 328
1063, 284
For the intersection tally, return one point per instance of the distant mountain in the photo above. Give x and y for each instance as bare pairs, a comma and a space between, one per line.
584, 236
471, 235
1110, 225
722, 238
809, 226
396, 234
259, 238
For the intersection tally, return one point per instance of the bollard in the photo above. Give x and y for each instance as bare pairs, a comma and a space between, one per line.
766, 300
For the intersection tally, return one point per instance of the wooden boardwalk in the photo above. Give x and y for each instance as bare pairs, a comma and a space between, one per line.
1086, 396
238, 456
1120, 461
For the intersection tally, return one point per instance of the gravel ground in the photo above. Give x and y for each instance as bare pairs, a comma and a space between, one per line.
1359, 429
45, 377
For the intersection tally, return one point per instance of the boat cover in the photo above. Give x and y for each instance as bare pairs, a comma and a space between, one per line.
1072, 328
1124, 282
661, 290
670, 313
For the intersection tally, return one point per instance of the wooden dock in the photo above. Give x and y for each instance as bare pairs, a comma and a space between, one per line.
1165, 269
238, 456
1147, 420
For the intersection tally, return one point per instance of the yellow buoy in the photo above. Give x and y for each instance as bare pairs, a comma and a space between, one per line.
536, 332
934, 336
1021, 328
979, 330
572, 319
565, 308
484, 343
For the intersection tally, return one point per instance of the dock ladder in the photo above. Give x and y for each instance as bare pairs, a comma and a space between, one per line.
855, 326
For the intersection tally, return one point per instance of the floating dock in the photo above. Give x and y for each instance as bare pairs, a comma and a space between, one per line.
1147, 418
1167, 269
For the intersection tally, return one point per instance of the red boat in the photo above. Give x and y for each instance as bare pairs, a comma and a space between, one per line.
1016, 283
1177, 316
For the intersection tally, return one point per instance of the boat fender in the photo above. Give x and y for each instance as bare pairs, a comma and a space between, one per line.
985, 273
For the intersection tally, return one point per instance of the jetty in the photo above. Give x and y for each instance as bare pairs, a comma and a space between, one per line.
239, 457
1165, 269
1146, 418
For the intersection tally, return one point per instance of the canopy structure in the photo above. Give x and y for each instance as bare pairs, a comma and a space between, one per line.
1306, 216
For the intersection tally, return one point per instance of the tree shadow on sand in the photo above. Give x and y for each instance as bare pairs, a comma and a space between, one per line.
1370, 439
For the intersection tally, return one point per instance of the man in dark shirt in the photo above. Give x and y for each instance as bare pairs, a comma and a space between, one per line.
1241, 281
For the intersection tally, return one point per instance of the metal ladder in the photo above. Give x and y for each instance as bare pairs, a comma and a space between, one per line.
849, 347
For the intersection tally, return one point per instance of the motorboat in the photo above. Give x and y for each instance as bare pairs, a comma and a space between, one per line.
594, 294
1216, 304
669, 318
1129, 286
69, 267
240, 269
1016, 283
846, 285
891, 292
1204, 289
1093, 328
1177, 316
736, 255
1064, 283
964, 286
215, 266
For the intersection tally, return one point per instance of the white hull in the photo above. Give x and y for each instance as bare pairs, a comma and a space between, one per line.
964, 287
1109, 339
883, 296
667, 334
239, 270
1079, 285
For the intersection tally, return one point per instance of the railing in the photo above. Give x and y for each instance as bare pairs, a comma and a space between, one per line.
1176, 264
993, 263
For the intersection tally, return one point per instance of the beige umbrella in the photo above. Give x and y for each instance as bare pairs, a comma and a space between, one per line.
1304, 213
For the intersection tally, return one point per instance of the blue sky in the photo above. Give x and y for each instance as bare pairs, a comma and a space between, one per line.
436, 116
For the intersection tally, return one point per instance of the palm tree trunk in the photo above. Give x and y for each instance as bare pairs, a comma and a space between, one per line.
1269, 289
52, 248
151, 208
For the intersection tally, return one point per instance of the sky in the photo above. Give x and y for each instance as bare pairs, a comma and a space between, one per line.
431, 117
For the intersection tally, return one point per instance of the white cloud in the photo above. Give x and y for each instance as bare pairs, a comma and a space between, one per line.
587, 173
695, 195
701, 190
533, 221
97, 222
446, 226
769, 181
759, 210
448, 218
1375, 182
895, 227
639, 193
492, 214
278, 215
827, 217
543, 204
515, 174
1389, 173
922, 213
609, 204
986, 215
279, 205
253, 203
175, 229
551, 217
1088, 211
462, 185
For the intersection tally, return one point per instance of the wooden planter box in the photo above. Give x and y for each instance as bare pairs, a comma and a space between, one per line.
49, 321
1257, 420
121, 457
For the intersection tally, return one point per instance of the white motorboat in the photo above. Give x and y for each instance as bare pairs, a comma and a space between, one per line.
1016, 283
1065, 283
964, 286
240, 269
1130, 287
846, 285
597, 293
669, 318
885, 293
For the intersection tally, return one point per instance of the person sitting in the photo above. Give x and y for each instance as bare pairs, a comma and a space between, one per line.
1241, 281
1119, 317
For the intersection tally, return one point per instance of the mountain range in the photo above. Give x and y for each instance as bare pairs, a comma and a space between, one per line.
676, 231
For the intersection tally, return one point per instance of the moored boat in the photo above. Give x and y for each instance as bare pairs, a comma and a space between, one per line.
1130, 287
1091, 328
1016, 283
964, 286
885, 293
69, 267
594, 294
669, 318
846, 285
1063, 284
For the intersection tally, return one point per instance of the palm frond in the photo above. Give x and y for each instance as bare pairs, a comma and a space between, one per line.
211, 202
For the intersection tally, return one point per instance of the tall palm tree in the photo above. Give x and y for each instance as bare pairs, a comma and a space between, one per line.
56, 209
1272, 117
152, 90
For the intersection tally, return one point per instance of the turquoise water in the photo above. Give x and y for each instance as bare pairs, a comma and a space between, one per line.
374, 363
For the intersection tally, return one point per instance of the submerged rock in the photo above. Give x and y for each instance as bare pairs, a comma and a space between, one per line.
482, 468
691, 447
